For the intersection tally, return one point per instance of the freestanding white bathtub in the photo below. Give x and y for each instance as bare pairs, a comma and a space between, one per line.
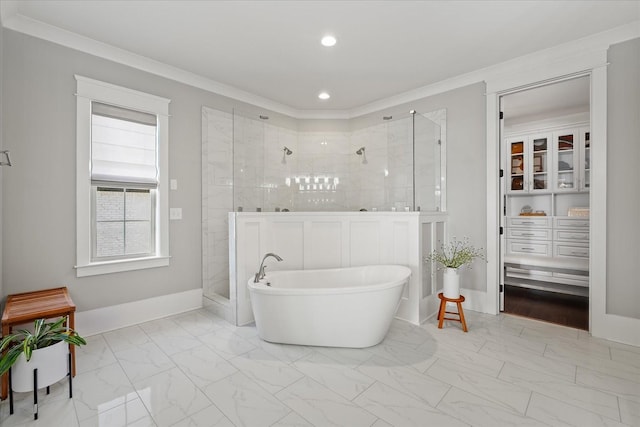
342, 307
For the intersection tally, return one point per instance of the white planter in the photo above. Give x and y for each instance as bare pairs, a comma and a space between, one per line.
451, 283
52, 363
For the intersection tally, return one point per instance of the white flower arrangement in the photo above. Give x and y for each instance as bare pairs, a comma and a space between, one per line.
456, 254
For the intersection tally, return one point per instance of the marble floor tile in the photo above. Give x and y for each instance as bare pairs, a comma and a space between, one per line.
169, 336
210, 416
199, 322
95, 354
130, 413
405, 379
101, 389
454, 336
226, 343
323, 407
497, 390
399, 409
477, 411
244, 402
404, 355
623, 388
629, 412
202, 365
482, 363
196, 369
535, 362
55, 413
345, 381
285, 352
143, 361
349, 357
269, 372
580, 358
566, 391
554, 412
170, 396
626, 357
292, 420
126, 338
405, 333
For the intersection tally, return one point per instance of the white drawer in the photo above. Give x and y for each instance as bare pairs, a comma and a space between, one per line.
529, 221
529, 233
522, 247
560, 222
569, 250
571, 235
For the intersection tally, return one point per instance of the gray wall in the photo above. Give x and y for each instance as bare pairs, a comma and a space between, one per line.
623, 179
1, 168
39, 224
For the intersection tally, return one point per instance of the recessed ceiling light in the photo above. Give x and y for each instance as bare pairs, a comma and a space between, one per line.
328, 41
324, 95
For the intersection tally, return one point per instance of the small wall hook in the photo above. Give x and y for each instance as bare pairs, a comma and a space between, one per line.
6, 156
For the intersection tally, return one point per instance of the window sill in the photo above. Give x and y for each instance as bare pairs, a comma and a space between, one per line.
106, 267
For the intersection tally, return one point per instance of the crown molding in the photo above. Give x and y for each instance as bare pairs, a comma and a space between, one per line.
84, 44
588, 52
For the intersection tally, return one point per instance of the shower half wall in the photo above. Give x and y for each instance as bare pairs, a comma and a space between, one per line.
249, 163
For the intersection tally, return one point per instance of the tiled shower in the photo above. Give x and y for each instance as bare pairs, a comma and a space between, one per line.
250, 164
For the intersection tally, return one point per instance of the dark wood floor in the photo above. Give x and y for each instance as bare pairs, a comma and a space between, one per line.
567, 310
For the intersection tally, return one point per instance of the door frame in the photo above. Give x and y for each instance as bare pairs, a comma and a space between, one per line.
594, 63
504, 165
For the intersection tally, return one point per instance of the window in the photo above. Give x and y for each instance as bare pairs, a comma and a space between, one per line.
122, 202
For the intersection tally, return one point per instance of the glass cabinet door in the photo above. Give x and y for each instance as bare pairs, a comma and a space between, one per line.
566, 149
540, 165
516, 165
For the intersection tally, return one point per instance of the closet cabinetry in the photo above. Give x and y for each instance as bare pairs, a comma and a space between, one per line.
546, 186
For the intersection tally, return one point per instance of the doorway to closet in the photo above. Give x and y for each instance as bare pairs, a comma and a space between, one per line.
545, 157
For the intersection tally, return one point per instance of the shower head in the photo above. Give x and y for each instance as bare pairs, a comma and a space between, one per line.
360, 152
285, 152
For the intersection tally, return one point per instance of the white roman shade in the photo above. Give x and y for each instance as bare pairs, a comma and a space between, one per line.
123, 146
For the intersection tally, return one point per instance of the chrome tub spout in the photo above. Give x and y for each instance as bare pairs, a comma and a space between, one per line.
261, 273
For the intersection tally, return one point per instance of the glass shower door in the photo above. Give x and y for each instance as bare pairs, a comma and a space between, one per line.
248, 163
428, 181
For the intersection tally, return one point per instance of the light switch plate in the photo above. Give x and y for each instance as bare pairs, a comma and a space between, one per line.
173, 183
175, 213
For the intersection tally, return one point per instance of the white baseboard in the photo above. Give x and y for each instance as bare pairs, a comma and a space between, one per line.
99, 320
475, 300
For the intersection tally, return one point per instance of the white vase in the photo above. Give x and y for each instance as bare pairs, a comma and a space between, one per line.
451, 283
52, 363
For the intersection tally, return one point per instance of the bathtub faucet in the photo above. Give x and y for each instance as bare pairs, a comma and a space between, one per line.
260, 274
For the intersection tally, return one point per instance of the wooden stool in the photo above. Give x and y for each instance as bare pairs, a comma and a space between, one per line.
442, 311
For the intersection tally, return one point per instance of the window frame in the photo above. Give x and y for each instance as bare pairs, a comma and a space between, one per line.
88, 91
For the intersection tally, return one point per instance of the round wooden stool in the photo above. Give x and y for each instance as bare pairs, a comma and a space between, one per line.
442, 311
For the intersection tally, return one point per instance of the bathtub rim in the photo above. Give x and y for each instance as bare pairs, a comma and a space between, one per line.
262, 288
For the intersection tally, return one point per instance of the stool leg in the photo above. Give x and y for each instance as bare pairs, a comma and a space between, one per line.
10, 394
441, 313
461, 314
35, 394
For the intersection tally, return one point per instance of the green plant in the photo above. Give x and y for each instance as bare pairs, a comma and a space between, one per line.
24, 341
456, 253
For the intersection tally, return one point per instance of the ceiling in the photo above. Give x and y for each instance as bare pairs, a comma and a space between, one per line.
566, 97
271, 49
